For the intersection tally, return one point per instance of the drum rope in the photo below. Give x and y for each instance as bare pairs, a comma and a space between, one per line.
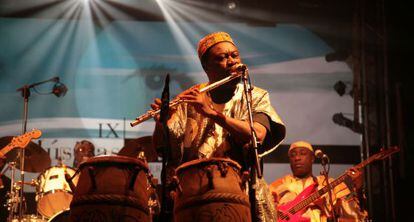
212, 197
110, 199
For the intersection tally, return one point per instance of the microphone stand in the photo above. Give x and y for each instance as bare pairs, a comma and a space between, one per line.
26, 94
255, 170
165, 214
325, 173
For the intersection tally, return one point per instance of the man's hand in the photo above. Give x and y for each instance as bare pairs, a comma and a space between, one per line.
156, 106
199, 101
356, 176
319, 203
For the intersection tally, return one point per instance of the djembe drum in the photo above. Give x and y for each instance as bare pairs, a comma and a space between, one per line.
211, 190
111, 188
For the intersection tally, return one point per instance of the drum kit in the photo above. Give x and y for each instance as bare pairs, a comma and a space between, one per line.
56, 185
53, 194
121, 187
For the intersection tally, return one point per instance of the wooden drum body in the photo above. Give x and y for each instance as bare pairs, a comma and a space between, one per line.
111, 188
211, 190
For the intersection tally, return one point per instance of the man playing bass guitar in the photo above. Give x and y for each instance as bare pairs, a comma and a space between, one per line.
295, 194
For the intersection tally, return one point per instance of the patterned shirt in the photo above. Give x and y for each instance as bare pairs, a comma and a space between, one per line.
195, 136
346, 203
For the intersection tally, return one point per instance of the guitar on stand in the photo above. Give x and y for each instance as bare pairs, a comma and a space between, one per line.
292, 211
16, 142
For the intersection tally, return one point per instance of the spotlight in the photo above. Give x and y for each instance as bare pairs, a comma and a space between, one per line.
231, 6
341, 120
343, 88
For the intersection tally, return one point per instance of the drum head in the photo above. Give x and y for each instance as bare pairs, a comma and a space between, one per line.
54, 202
54, 193
52, 169
107, 160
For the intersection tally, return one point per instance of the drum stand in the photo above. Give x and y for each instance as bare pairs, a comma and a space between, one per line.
13, 199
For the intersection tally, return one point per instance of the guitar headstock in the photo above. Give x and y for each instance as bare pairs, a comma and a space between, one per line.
384, 153
23, 140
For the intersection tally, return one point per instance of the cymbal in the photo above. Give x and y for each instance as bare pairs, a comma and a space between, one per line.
36, 158
132, 148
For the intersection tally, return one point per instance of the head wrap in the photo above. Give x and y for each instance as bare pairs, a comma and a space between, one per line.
210, 40
302, 144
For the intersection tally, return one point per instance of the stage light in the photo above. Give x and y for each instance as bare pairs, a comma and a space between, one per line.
340, 55
343, 88
341, 120
231, 6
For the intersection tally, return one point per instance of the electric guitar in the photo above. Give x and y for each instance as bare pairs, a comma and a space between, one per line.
20, 141
292, 211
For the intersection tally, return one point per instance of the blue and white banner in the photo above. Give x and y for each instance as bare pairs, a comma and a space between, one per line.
113, 72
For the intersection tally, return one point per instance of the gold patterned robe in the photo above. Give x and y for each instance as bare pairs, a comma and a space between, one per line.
194, 136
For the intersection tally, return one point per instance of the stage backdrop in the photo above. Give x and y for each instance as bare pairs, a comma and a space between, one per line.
114, 71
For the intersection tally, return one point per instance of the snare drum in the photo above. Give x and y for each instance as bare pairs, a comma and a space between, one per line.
211, 190
54, 193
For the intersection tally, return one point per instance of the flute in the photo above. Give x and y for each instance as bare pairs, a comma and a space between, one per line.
151, 113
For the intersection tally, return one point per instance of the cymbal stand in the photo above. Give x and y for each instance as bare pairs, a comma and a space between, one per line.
13, 198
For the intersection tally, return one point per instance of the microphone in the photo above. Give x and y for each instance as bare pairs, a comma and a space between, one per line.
320, 155
240, 67
236, 69
59, 89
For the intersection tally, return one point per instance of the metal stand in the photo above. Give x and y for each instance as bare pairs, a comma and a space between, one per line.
26, 94
255, 169
325, 173
12, 196
165, 214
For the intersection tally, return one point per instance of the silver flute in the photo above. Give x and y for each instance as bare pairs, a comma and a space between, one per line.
151, 113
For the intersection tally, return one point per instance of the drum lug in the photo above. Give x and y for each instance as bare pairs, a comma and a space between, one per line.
152, 181
209, 173
175, 184
133, 178
244, 179
224, 168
